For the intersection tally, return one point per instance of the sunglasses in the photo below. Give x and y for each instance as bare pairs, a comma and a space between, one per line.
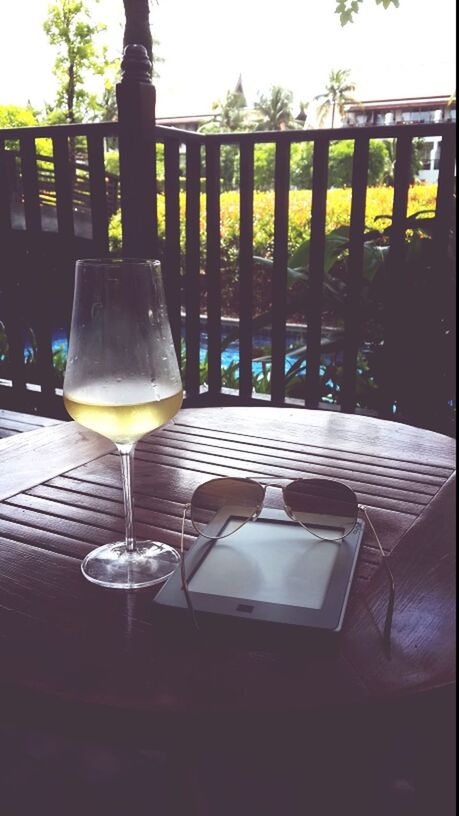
325, 508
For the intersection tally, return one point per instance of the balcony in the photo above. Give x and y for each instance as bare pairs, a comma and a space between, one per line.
384, 350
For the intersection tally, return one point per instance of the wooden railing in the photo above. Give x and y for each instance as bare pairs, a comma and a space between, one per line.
37, 262
29, 181
246, 143
46, 181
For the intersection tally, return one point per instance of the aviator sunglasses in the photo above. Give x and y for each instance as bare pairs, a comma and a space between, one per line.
325, 508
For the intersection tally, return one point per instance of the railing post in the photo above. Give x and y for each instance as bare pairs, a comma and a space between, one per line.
135, 96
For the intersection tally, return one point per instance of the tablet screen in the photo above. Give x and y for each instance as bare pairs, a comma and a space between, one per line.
268, 561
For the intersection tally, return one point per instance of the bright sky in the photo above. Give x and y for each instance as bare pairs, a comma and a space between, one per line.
206, 44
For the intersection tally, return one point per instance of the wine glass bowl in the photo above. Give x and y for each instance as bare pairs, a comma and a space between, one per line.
122, 380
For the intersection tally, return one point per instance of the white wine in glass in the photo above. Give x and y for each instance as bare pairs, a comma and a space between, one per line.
122, 380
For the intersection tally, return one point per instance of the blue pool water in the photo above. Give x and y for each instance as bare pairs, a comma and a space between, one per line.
296, 337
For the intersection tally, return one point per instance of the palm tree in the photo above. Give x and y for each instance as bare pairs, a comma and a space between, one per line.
302, 115
230, 112
337, 94
275, 109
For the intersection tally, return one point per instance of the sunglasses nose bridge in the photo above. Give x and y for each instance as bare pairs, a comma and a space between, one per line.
289, 511
287, 507
260, 504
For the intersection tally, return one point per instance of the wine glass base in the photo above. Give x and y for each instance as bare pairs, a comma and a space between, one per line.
114, 567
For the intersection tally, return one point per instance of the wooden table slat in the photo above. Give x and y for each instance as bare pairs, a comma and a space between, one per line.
78, 648
44, 453
160, 475
410, 480
230, 439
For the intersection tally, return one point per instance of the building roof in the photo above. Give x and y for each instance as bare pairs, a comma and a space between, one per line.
407, 102
239, 90
195, 119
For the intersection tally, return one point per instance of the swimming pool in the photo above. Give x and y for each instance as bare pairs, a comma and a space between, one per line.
261, 345
296, 338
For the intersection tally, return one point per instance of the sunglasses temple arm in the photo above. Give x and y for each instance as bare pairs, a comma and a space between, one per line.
182, 569
390, 605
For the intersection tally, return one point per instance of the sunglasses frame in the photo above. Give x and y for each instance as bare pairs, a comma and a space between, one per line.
290, 513
271, 482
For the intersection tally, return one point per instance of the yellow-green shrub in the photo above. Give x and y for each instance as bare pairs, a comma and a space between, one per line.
379, 202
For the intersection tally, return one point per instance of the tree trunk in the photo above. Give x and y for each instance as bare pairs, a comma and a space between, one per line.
71, 94
71, 119
137, 27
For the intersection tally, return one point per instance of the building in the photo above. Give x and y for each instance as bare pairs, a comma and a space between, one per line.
196, 121
412, 110
193, 122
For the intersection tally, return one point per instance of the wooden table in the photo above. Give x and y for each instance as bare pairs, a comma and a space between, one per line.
105, 657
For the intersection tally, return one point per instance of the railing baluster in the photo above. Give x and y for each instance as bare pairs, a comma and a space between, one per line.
192, 270
353, 326
7, 252
63, 181
441, 366
316, 270
5, 194
15, 330
280, 263
214, 324
30, 185
98, 192
393, 317
171, 261
11, 288
445, 196
246, 272
41, 276
38, 277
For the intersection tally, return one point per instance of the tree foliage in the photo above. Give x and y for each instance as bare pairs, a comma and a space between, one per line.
347, 9
301, 165
338, 93
72, 32
230, 115
264, 158
275, 110
417, 147
342, 159
339, 169
15, 116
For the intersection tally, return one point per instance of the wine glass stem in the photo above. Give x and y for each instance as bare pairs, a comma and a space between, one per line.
126, 453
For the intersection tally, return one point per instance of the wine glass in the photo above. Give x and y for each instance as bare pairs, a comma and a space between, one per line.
122, 380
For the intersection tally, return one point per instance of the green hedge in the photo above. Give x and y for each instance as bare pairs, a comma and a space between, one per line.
379, 202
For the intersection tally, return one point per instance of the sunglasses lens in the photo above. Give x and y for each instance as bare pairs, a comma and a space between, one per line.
326, 508
240, 499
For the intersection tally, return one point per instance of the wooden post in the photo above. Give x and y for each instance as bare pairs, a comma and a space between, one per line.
135, 96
